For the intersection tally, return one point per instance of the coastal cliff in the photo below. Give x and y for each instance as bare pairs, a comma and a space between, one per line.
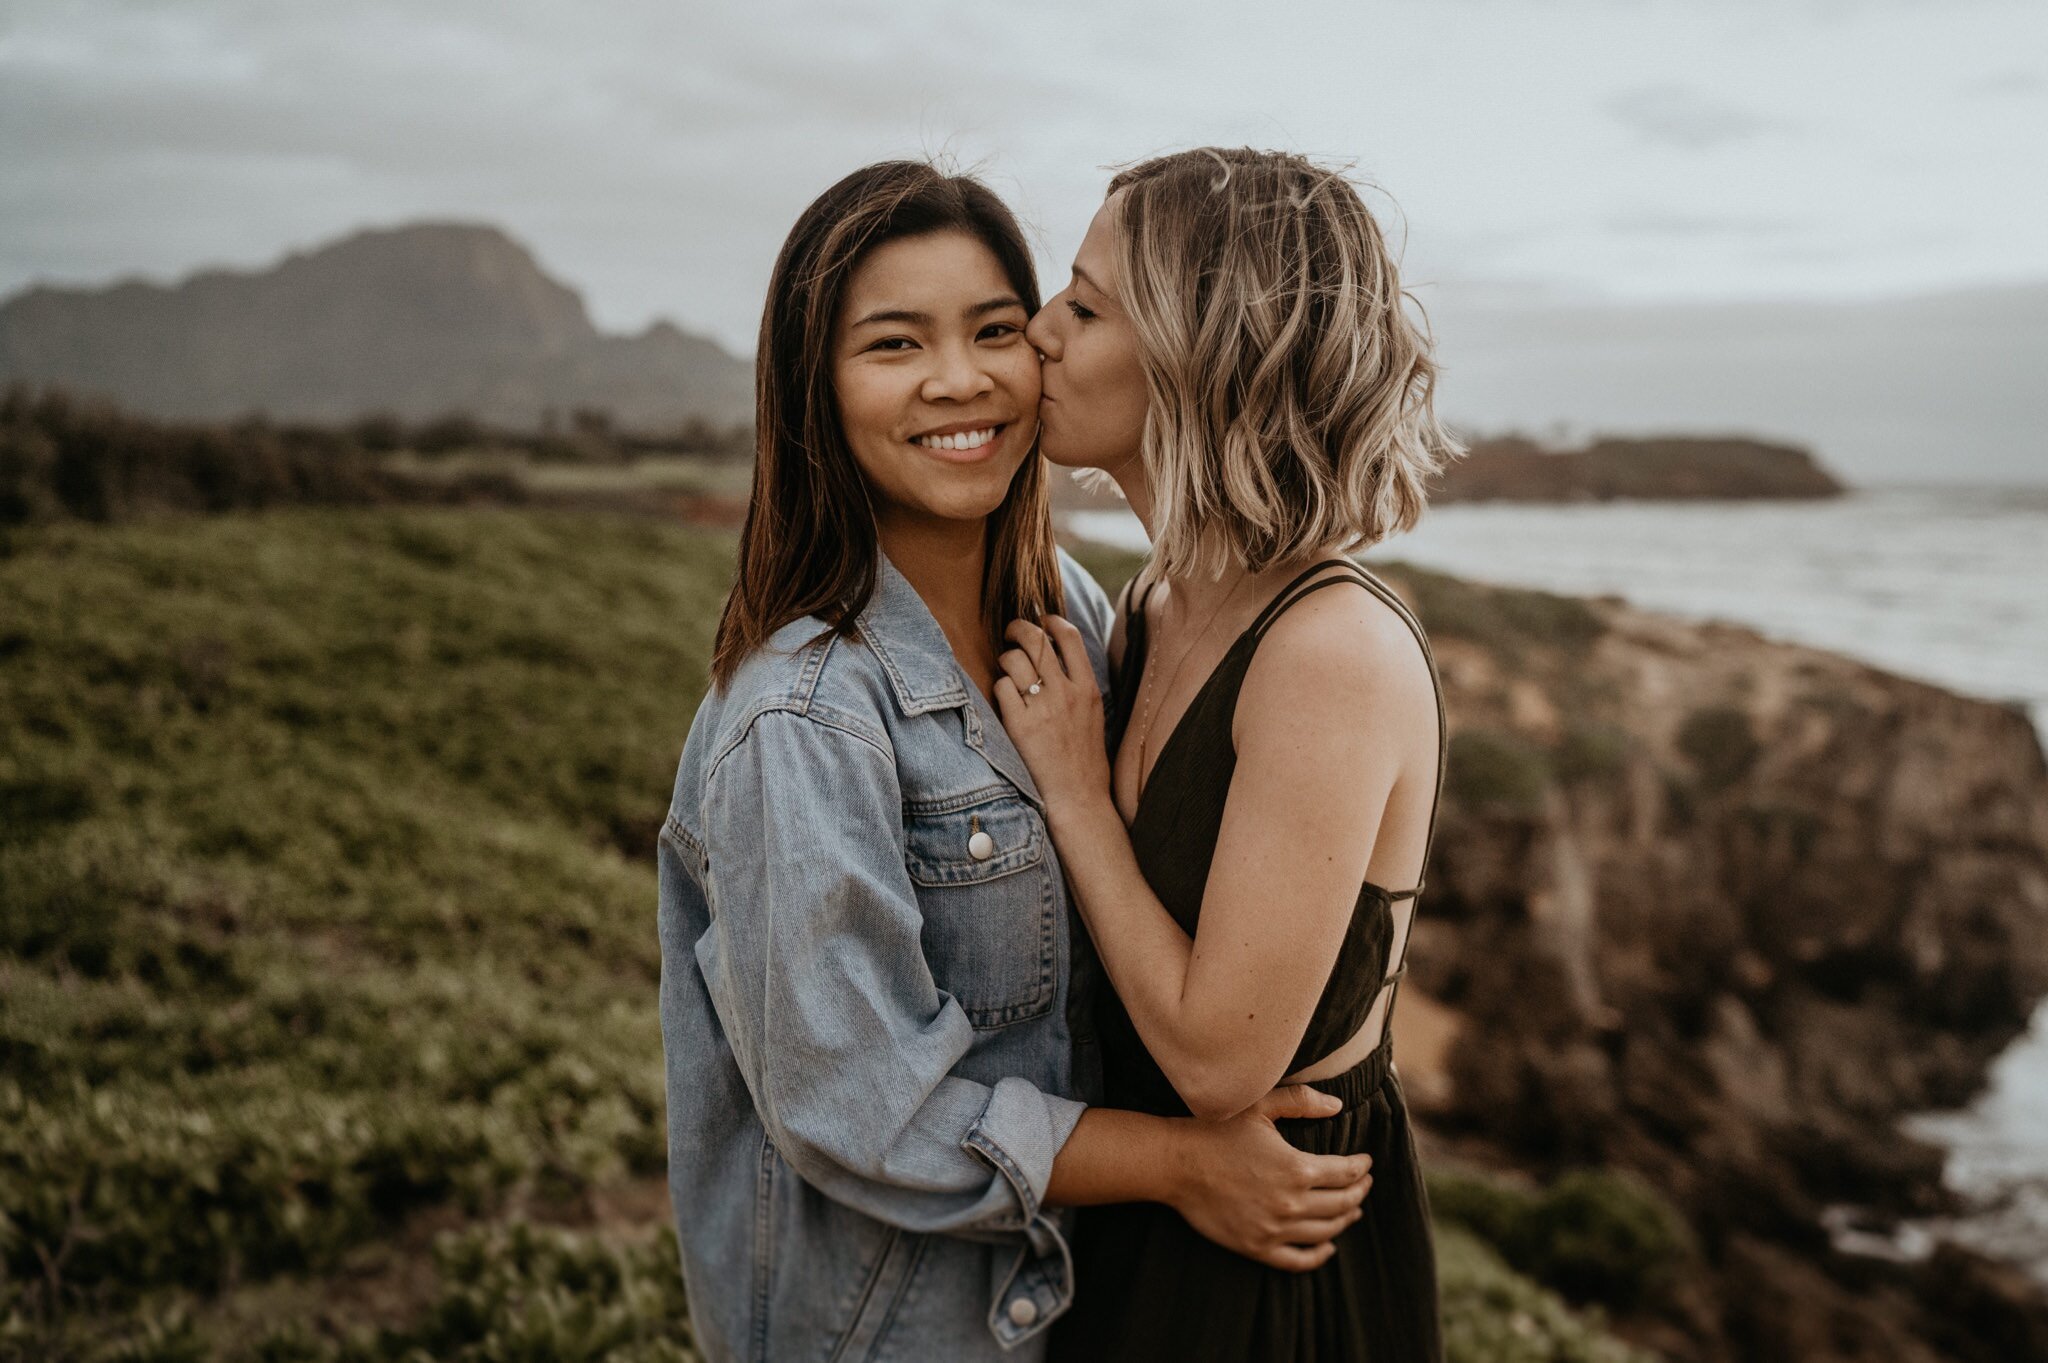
1719, 911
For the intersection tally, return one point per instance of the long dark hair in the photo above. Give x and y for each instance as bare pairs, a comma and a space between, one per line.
809, 544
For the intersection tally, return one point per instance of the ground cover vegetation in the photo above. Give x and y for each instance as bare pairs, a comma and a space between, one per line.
327, 960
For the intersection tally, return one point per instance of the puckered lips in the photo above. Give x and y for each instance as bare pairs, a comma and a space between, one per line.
964, 442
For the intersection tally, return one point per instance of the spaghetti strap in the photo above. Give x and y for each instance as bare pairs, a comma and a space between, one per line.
1287, 595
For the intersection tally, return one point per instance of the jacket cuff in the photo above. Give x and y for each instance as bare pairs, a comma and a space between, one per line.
1020, 1133
1038, 1287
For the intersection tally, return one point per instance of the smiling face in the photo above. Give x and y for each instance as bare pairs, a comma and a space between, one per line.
936, 386
1093, 408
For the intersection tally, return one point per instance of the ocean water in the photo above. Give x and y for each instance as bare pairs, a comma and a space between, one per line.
1945, 584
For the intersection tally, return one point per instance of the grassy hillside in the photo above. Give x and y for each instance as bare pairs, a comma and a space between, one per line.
327, 956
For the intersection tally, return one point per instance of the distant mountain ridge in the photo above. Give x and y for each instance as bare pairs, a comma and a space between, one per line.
417, 321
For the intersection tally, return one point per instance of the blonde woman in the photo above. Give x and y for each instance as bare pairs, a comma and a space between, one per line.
1233, 350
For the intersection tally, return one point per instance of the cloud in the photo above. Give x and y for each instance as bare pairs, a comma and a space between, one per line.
655, 156
1668, 225
2015, 82
1684, 118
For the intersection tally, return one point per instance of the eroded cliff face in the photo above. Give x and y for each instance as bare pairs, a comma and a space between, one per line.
1722, 910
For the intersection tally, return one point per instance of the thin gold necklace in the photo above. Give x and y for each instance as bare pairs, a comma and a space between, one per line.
1151, 711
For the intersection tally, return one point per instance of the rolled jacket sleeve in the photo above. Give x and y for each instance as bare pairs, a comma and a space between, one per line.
815, 966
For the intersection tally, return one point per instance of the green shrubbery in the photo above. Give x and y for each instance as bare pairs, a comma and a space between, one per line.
313, 908
1493, 1314
64, 458
1721, 745
1509, 619
1593, 753
518, 1293
1594, 1235
1492, 771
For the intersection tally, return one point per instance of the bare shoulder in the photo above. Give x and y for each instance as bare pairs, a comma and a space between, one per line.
1332, 650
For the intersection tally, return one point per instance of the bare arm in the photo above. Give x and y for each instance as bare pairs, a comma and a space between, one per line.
1325, 725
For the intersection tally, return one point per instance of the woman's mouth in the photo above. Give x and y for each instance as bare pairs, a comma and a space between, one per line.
962, 445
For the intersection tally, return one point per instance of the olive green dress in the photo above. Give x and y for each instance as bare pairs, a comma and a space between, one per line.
1147, 1285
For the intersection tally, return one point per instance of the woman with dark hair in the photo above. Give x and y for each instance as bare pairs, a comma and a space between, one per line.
1234, 350
874, 997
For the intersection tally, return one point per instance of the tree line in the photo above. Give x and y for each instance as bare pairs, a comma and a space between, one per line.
63, 457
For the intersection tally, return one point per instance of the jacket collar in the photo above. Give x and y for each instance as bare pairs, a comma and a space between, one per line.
903, 633
925, 676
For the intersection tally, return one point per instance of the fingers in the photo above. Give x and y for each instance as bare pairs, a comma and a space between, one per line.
1017, 668
1009, 701
1295, 1259
1316, 1230
1334, 1171
1299, 1100
1039, 646
1073, 649
1322, 1203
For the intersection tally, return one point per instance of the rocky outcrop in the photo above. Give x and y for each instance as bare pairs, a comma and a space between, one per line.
413, 321
1663, 468
1721, 910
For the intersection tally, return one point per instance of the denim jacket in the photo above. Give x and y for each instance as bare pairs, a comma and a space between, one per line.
871, 1003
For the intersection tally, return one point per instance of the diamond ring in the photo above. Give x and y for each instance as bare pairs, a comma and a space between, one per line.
1034, 688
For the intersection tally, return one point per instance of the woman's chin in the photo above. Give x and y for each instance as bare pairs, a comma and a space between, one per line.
1054, 455
969, 506
1074, 461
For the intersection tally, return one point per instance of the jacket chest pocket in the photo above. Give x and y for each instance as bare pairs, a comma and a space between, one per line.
984, 883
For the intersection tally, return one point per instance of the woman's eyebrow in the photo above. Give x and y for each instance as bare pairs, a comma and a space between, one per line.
1008, 300
908, 317
898, 315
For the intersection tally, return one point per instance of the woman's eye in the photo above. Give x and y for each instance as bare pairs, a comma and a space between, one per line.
996, 330
894, 343
1084, 314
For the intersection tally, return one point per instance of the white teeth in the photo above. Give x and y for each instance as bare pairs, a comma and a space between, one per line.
966, 440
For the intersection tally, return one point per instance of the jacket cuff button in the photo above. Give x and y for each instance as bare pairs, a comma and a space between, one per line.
1023, 1312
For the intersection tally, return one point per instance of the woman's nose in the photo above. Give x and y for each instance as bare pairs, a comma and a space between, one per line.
1040, 331
959, 375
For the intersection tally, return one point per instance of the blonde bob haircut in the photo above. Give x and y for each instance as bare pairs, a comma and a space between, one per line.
1290, 391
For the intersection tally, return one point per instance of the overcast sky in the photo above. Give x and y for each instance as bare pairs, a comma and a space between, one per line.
653, 154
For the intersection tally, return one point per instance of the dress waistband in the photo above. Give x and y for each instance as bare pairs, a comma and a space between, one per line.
1362, 1080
